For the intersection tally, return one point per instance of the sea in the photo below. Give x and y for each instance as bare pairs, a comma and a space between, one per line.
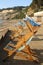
1, 23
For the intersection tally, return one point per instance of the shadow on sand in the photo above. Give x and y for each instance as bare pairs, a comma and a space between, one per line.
3, 42
21, 62
36, 38
25, 62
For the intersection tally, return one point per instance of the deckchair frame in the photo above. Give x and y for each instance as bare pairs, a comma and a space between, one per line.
22, 42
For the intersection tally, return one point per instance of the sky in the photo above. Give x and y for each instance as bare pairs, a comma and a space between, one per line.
12, 3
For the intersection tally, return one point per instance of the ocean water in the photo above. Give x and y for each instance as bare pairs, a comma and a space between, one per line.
1, 23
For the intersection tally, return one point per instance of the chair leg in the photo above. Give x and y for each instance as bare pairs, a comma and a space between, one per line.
27, 50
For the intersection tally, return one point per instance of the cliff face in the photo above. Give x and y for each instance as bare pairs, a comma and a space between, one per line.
12, 13
36, 5
5, 14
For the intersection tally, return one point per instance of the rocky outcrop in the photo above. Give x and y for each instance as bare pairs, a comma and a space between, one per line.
7, 14
36, 5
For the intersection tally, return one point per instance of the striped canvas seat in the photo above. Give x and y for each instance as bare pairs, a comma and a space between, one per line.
32, 22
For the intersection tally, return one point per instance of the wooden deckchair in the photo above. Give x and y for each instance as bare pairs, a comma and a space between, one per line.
22, 43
